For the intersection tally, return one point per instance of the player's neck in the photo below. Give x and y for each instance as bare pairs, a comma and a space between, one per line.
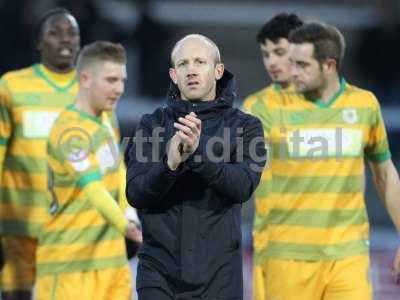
329, 89
59, 78
57, 70
82, 103
283, 84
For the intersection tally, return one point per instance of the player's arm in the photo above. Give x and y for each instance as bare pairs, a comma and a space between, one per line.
387, 183
102, 200
384, 173
130, 212
99, 197
5, 120
136, 238
105, 204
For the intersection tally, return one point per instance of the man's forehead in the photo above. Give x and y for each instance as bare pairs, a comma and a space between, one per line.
194, 43
304, 49
193, 46
61, 19
269, 44
108, 66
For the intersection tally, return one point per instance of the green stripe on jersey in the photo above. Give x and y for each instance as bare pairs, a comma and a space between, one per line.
25, 197
82, 265
321, 184
88, 178
311, 252
94, 234
264, 189
3, 141
75, 207
336, 117
31, 164
318, 218
260, 222
42, 101
379, 157
17, 227
260, 110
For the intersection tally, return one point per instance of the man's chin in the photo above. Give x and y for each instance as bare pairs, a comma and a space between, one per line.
300, 88
64, 65
193, 96
110, 107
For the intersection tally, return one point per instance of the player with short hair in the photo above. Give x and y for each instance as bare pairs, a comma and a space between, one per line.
274, 45
81, 253
318, 230
30, 100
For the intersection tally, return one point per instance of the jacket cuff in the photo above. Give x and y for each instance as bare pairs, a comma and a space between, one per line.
166, 168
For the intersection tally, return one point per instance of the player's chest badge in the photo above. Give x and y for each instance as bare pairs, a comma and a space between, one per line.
350, 115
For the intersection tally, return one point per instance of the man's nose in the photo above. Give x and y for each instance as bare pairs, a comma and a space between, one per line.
65, 37
119, 88
294, 70
191, 70
271, 61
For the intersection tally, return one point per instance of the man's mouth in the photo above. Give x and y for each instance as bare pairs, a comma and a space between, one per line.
66, 52
193, 83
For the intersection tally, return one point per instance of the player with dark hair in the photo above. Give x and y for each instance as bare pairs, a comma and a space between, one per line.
317, 224
273, 39
31, 99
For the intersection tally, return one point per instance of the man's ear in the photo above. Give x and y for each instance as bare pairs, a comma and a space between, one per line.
330, 65
85, 79
172, 75
219, 71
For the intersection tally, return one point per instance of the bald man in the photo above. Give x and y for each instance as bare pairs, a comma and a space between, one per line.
191, 166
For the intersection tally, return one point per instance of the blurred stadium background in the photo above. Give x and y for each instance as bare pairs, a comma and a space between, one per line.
149, 29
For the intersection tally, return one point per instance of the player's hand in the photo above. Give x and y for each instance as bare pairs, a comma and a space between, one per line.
174, 156
396, 267
134, 233
189, 130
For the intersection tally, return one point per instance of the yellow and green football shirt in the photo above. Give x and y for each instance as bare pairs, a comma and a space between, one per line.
312, 205
82, 149
254, 104
30, 101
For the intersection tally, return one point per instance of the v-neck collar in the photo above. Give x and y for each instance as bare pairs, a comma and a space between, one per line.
85, 114
319, 103
61, 89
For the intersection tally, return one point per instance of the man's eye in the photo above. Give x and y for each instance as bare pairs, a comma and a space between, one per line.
280, 52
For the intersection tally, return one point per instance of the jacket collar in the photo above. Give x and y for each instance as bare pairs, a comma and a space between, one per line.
226, 95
